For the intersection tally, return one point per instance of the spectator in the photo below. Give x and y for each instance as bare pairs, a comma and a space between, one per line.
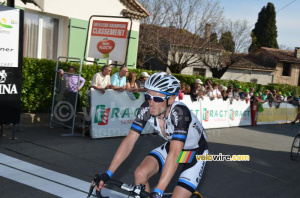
260, 95
187, 89
244, 95
130, 84
255, 98
118, 80
236, 92
271, 99
197, 91
251, 91
141, 81
207, 84
224, 94
215, 93
280, 97
72, 89
284, 97
101, 80
265, 94
292, 99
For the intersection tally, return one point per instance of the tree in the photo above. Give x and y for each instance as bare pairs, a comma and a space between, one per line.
227, 42
264, 33
220, 62
175, 31
178, 35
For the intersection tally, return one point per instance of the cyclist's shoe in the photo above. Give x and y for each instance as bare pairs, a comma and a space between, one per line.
156, 195
101, 177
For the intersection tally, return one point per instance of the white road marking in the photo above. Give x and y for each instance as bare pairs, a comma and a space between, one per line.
46, 180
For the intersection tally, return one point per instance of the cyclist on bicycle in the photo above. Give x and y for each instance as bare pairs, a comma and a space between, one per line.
178, 126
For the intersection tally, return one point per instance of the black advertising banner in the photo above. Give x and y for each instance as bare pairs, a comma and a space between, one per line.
11, 48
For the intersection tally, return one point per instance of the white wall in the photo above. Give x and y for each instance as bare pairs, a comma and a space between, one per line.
263, 77
81, 9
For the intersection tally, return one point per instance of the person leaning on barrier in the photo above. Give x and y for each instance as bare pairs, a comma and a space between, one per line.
101, 80
197, 90
215, 93
236, 92
118, 79
130, 84
141, 81
181, 131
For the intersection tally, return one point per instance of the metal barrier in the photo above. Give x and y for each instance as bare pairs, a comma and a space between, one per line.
65, 100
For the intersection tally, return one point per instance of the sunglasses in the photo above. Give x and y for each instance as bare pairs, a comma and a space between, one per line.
155, 98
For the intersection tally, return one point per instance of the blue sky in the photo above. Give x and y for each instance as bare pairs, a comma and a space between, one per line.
287, 19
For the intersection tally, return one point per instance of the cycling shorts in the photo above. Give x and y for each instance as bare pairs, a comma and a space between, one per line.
191, 173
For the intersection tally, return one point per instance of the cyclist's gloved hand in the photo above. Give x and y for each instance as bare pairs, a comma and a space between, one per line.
157, 193
102, 177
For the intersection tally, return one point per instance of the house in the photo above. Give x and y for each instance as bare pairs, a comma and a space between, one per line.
54, 28
286, 63
250, 69
176, 48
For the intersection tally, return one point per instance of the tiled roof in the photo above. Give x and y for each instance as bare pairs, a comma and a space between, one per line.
136, 10
278, 54
176, 36
249, 62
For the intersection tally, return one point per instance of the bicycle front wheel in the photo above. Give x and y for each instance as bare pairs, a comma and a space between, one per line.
295, 148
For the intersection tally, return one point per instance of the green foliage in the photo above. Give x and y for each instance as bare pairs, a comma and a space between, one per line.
227, 42
38, 82
264, 33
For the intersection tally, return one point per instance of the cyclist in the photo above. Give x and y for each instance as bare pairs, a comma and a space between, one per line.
178, 126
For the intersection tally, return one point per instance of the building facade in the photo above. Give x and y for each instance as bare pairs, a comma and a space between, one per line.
56, 28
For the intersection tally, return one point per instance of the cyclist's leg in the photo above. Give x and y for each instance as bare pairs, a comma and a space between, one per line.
151, 165
190, 177
145, 170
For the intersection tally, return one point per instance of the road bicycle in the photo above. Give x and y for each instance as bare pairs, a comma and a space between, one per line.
295, 147
133, 191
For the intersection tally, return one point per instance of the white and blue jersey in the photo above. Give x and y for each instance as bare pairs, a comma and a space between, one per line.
181, 125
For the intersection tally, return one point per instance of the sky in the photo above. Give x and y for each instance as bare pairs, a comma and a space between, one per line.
287, 19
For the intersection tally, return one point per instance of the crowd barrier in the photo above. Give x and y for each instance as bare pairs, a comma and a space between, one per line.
113, 113
272, 115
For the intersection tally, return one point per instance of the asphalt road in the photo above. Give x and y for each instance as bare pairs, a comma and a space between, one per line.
42, 163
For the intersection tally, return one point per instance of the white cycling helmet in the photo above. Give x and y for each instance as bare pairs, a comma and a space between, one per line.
163, 83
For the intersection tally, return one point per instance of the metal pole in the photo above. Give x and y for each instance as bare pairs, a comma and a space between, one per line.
13, 132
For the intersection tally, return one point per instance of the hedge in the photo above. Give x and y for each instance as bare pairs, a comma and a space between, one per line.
38, 81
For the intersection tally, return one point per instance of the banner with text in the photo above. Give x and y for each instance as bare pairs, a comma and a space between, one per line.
239, 113
214, 113
108, 39
113, 113
272, 115
11, 46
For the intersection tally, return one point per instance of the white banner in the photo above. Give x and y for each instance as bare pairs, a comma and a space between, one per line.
215, 113
193, 106
112, 113
9, 37
239, 113
108, 39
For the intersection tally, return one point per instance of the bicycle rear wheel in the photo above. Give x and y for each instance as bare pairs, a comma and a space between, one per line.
295, 147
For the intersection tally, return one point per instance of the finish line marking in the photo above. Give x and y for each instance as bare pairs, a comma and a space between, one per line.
46, 180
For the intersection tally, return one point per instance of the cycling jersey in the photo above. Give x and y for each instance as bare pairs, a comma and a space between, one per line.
181, 125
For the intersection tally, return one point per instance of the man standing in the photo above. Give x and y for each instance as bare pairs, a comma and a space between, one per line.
101, 80
118, 80
141, 81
